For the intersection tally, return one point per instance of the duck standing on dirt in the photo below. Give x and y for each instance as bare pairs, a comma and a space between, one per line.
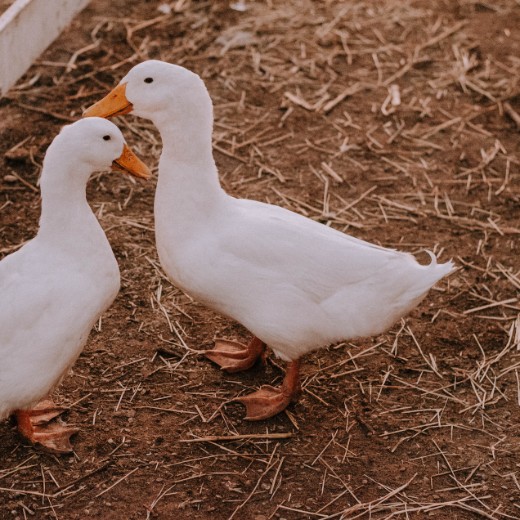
297, 285
57, 285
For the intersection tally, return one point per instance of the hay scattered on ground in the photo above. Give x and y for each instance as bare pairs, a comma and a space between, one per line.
395, 121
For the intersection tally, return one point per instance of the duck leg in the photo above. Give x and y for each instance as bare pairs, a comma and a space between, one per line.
36, 426
269, 401
232, 356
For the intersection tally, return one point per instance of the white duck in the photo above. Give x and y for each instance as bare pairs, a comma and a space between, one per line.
297, 285
55, 287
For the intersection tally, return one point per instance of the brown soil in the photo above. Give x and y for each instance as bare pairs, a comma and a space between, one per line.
422, 422
5, 4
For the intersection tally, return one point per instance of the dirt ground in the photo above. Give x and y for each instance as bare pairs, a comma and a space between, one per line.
393, 121
4, 4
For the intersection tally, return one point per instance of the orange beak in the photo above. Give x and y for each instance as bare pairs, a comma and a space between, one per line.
129, 163
113, 104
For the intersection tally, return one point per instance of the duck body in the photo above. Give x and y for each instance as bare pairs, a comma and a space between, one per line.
52, 291
56, 286
297, 285
294, 283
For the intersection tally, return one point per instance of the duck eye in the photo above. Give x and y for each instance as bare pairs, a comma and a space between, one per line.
148, 80
106, 137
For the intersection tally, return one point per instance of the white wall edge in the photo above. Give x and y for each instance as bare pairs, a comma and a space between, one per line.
27, 28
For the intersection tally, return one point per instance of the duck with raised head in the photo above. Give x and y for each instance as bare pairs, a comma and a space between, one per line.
294, 283
56, 286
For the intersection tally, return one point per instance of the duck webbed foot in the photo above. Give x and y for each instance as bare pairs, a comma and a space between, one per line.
269, 401
39, 427
232, 356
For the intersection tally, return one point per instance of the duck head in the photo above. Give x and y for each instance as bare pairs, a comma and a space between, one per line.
95, 144
159, 91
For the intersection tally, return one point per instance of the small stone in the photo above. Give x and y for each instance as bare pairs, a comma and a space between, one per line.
165, 9
19, 154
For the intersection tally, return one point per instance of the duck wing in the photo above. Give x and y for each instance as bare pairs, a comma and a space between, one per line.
46, 307
293, 249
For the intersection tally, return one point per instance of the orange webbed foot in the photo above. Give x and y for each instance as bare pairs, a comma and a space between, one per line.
232, 356
264, 403
270, 401
38, 426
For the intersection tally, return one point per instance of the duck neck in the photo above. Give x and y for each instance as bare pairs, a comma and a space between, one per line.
64, 203
187, 172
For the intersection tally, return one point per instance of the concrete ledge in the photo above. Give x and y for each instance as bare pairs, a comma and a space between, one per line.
27, 28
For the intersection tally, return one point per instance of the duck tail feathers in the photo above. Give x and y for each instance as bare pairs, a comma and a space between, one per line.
426, 276
439, 270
